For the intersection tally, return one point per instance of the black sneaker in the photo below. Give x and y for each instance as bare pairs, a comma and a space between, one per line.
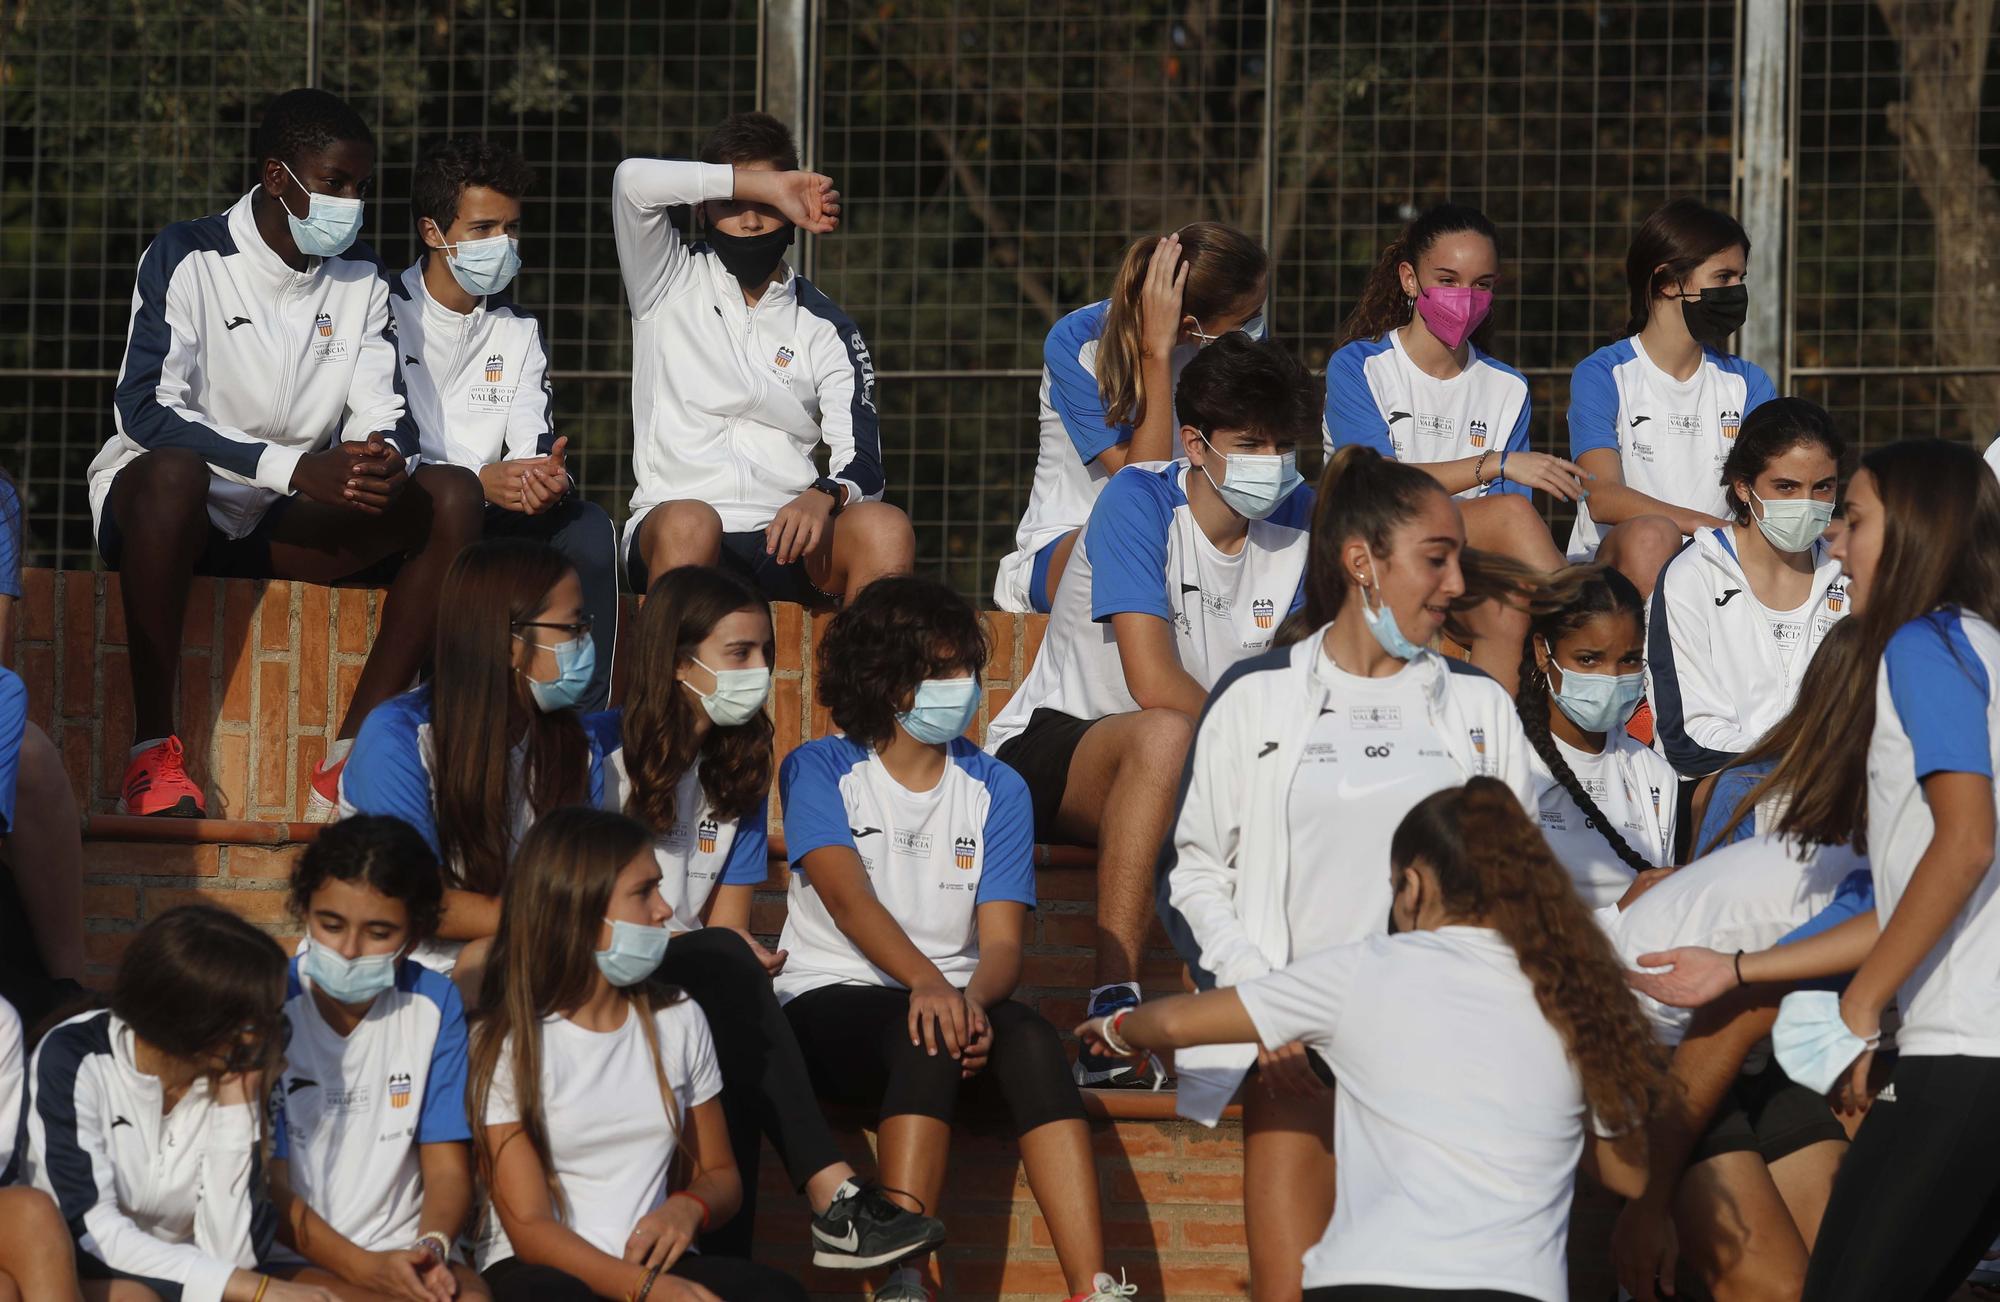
864, 1229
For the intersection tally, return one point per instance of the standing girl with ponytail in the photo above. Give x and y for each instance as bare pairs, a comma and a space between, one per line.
1108, 379
1652, 416
1326, 742
1606, 803
1489, 1045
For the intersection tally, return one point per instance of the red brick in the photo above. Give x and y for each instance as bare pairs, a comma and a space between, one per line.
1002, 638
822, 721
995, 704
114, 902
1213, 1235
239, 604
346, 679
229, 779
274, 617
103, 949
238, 667
1077, 930
788, 631
984, 1229
1166, 969
77, 746
1197, 1281
1073, 971
1032, 629
352, 634
261, 861
79, 645
37, 619
1132, 1139
767, 915
1141, 1233
1063, 1012
273, 711
1212, 1187
198, 626
992, 1179
112, 602
114, 726
315, 654
196, 721
37, 665
787, 713
308, 752
994, 1278
148, 859
263, 907
1066, 884
1223, 1144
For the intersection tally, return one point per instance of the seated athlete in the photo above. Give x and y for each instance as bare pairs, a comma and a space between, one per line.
1184, 570
742, 369
262, 432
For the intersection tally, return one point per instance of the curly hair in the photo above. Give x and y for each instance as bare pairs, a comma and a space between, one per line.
1253, 385
661, 720
382, 853
898, 632
446, 172
306, 120
1577, 595
1493, 866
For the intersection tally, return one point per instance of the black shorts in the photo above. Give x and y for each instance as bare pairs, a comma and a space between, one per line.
90, 1268
1771, 1115
743, 557
1041, 753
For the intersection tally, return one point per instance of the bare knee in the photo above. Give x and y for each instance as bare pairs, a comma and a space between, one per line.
163, 486
1645, 544
883, 535
683, 532
457, 503
1157, 744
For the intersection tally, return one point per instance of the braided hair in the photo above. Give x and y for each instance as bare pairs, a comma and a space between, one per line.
1579, 594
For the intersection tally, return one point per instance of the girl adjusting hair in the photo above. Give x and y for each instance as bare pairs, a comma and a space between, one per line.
37, 1259
690, 757
148, 1117
370, 1171
1651, 417
1607, 804
1327, 741
492, 742
595, 1115
1108, 378
913, 874
1738, 614
1488, 1043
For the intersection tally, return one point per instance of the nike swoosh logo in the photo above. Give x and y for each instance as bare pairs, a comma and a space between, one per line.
231, 325
1395, 416
1723, 600
859, 832
846, 1243
410, 361
1349, 791
1269, 746
1637, 421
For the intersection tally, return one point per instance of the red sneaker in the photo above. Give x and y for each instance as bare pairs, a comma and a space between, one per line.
323, 803
156, 783
1640, 725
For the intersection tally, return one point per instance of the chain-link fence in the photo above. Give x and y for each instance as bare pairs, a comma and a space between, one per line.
997, 155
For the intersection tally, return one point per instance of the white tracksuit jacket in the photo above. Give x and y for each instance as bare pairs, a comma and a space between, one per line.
729, 402
235, 356
477, 382
1717, 676
163, 1197
1225, 871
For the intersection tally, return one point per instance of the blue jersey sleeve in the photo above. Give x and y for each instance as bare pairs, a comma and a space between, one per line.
1008, 872
11, 524
1852, 898
386, 773
1126, 540
1517, 441
1757, 387
809, 793
1073, 391
1941, 695
1731, 785
443, 1120
1352, 414
1593, 406
750, 852
13, 727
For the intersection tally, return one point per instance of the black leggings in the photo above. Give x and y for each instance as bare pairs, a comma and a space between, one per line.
1917, 1199
856, 1041
765, 1089
1391, 1293
729, 1278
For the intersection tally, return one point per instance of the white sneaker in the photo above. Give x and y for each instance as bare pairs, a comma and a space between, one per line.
1103, 1288
905, 1285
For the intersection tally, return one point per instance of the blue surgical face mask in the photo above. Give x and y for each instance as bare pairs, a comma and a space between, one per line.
484, 267
1793, 524
943, 709
635, 953
738, 694
1381, 622
1595, 702
348, 980
330, 223
576, 661
1812, 1041
1253, 485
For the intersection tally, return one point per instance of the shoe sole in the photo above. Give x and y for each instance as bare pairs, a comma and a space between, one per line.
829, 1260
319, 809
185, 807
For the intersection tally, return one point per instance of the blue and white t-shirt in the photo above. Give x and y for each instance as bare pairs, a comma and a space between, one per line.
351, 1111
700, 851
1376, 395
1934, 713
1144, 552
1671, 436
13, 727
933, 857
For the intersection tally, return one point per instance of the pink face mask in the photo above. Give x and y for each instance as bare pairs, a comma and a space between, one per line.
1453, 311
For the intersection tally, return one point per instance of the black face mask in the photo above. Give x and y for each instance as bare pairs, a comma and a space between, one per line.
1717, 314
751, 258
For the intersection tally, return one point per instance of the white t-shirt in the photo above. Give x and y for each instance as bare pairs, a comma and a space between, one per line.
1671, 436
1372, 755
1747, 896
700, 851
1633, 786
933, 857
1458, 1115
1935, 713
13, 1093
1143, 552
610, 1139
1376, 395
352, 1111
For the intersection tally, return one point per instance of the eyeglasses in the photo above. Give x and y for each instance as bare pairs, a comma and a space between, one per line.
579, 629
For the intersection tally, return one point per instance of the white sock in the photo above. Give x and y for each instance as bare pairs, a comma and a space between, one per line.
848, 1189
336, 751
145, 746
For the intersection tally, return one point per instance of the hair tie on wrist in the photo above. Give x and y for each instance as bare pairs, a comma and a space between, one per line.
1738, 964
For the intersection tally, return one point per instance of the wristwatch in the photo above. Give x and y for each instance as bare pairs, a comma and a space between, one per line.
833, 489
